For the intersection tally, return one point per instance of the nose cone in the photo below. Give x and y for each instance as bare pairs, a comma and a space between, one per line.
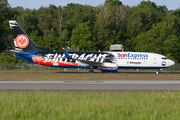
171, 62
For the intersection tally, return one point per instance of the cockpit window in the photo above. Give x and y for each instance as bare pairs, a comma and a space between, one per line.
164, 58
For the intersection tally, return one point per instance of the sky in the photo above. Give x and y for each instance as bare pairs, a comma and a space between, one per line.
36, 4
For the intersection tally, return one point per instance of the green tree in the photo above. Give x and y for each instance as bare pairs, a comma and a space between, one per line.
120, 21
76, 14
160, 39
130, 44
118, 37
44, 20
83, 37
173, 20
3, 10
6, 39
36, 39
57, 21
26, 19
74, 48
69, 6
104, 25
4, 26
51, 41
114, 2
177, 12
7, 57
141, 18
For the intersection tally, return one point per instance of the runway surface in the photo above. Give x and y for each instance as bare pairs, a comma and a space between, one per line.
91, 85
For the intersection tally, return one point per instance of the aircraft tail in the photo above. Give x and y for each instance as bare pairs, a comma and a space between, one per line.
21, 40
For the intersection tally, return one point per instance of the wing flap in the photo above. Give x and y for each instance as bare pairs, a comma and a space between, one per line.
90, 63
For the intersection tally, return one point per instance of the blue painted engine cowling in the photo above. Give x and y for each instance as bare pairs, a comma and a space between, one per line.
109, 67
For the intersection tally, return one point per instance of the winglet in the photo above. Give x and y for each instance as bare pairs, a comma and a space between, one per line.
66, 53
69, 49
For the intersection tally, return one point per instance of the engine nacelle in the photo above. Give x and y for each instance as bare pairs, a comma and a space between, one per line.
109, 67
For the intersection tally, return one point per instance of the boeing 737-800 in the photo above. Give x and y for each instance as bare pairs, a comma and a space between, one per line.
28, 51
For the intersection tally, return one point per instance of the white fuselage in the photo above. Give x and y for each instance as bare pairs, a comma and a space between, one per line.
141, 60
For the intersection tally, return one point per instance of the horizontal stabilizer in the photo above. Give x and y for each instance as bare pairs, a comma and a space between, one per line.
16, 52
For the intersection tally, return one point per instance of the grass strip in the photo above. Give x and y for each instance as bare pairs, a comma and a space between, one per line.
89, 105
55, 76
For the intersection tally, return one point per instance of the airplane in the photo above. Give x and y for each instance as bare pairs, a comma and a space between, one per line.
28, 51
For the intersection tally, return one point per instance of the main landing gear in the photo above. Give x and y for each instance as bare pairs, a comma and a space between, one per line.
91, 70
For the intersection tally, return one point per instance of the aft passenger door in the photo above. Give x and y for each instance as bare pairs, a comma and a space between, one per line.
154, 59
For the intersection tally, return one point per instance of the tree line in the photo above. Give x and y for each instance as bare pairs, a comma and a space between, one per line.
146, 27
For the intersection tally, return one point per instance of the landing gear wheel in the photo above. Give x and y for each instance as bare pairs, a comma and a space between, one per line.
91, 71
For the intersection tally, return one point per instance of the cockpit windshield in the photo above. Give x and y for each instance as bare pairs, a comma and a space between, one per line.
164, 58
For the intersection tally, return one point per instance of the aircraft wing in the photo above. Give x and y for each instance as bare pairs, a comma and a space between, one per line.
90, 63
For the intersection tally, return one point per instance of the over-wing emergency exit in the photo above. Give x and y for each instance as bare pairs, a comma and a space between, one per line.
28, 51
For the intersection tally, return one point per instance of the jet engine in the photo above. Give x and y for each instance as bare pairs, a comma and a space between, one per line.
109, 67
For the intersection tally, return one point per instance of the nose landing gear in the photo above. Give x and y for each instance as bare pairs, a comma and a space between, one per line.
160, 69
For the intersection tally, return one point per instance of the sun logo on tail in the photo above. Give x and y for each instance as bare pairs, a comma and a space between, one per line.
22, 41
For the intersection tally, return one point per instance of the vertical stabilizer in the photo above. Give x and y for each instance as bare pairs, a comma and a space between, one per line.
21, 40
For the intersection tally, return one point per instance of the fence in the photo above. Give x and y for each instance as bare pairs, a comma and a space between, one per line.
37, 67
31, 67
